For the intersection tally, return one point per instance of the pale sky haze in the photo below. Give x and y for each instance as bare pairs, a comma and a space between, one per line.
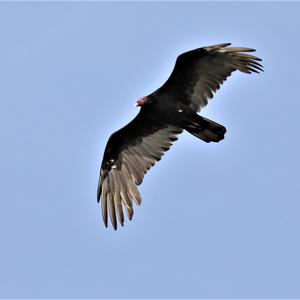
217, 220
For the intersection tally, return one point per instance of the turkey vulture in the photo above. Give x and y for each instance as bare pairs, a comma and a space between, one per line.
131, 151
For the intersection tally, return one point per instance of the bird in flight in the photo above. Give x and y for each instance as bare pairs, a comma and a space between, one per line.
131, 151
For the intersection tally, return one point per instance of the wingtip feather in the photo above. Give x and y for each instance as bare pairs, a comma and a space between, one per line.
99, 191
112, 212
216, 47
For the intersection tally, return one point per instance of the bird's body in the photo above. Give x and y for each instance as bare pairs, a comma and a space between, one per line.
164, 114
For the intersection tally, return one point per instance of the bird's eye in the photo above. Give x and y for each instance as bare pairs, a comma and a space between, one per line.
111, 162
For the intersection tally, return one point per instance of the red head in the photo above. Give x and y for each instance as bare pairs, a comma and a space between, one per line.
141, 101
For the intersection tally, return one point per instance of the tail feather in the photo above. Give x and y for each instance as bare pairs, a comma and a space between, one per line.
206, 130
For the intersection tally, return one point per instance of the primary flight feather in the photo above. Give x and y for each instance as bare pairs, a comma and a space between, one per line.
131, 151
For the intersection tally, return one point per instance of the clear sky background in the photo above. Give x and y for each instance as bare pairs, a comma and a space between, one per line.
217, 220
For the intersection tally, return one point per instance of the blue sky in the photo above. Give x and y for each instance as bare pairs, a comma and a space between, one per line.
217, 220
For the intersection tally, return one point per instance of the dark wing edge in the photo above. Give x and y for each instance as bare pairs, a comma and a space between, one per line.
211, 66
224, 61
117, 189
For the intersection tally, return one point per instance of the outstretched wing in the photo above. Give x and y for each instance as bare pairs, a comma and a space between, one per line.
129, 154
200, 72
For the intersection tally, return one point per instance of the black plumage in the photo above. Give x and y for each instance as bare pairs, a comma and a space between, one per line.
134, 149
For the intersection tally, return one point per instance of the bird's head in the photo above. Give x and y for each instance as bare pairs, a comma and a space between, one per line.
141, 101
